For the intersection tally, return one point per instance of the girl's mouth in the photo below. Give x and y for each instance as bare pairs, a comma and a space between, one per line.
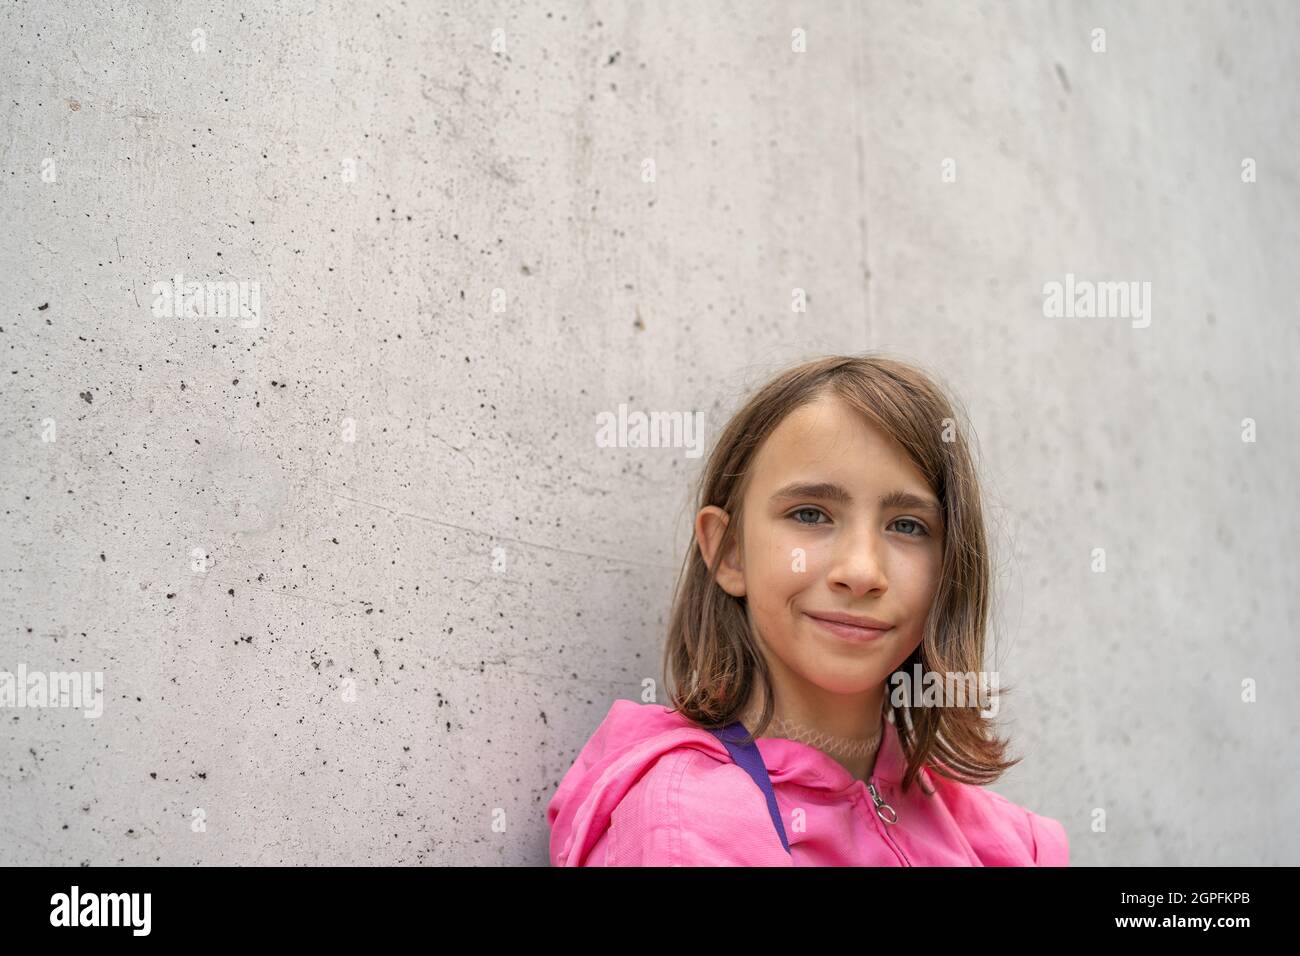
849, 632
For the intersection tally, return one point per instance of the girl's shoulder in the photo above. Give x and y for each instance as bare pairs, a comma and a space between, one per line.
650, 788
694, 807
1001, 830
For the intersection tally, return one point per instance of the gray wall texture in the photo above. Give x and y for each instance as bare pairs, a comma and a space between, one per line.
358, 578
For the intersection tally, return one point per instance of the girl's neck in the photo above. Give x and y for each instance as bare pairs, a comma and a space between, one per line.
856, 752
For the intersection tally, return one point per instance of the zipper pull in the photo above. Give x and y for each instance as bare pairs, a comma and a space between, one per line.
883, 810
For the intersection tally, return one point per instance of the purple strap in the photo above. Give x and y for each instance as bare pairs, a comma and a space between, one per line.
751, 761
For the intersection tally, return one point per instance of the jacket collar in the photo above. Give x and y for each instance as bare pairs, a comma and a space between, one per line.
801, 763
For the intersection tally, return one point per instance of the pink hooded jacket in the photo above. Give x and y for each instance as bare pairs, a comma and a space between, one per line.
650, 788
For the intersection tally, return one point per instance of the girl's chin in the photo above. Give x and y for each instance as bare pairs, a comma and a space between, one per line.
834, 677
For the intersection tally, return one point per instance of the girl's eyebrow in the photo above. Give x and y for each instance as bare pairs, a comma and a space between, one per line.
830, 491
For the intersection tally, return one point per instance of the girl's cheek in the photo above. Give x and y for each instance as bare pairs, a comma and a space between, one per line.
780, 550
922, 570
796, 558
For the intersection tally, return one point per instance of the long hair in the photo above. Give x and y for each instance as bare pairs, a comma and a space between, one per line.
711, 661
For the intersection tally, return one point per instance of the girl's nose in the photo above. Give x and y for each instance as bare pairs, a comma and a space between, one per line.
857, 564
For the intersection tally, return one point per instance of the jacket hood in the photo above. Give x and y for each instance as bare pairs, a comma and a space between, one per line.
633, 736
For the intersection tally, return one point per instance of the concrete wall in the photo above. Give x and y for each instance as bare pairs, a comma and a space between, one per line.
357, 577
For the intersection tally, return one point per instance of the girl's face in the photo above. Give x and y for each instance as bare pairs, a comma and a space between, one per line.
836, 520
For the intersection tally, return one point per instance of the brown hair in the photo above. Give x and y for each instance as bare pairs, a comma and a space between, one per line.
711, 655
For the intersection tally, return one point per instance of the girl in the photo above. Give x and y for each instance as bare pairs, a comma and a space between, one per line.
839, 552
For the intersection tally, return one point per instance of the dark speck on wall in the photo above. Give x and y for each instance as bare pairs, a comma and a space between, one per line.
1065, 80
43, 307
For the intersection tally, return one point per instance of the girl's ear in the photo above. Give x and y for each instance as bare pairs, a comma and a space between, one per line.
710, 524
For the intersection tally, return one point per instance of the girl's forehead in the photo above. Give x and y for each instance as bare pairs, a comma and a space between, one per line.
828, 432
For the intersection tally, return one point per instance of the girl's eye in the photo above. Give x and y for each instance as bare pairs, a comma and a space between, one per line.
920, 531
920, 527
805, 511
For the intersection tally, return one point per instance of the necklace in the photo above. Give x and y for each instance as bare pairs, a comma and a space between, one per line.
850, 748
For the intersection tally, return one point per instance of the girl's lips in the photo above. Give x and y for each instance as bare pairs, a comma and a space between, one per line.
850, 632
